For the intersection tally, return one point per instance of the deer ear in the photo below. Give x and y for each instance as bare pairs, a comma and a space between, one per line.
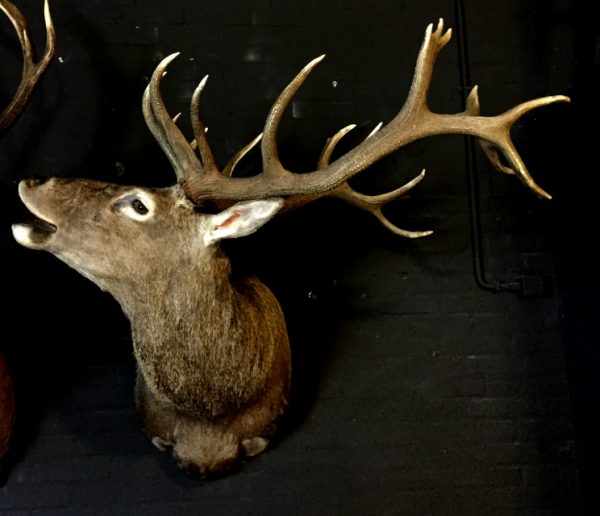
241, 219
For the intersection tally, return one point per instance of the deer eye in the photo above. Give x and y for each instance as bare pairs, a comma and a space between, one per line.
139, 206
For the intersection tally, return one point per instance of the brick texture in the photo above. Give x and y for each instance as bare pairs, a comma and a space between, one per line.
415, 392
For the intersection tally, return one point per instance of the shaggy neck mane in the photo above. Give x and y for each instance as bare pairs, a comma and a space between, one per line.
200, 340
189, 300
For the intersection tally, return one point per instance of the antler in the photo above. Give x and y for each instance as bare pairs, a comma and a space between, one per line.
202, 180
32, 70
371, 203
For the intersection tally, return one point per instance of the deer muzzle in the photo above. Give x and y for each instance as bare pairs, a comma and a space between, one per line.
35, 234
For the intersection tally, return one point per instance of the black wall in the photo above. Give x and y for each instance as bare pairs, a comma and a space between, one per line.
416, 392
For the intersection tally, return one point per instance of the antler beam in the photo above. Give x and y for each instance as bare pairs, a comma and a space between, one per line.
372, 204
201, 179
32, 69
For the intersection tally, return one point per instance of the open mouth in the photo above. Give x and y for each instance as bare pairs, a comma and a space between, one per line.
35, 233
42, 226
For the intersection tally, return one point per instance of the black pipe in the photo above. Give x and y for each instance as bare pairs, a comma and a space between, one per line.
517, 285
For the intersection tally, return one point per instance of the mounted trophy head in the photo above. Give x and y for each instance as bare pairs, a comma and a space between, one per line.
212, 351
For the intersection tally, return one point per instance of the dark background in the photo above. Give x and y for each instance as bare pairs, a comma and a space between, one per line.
415, 391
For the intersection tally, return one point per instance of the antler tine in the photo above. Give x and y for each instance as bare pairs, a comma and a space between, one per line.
206, 155
331, 144
375, 130
32, 70
371, 203
519, 169
167, 134
502, 141
270, 155
433, 43
179, 151
228, 170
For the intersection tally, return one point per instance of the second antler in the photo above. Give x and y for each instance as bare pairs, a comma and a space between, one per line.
32, 69
202, 180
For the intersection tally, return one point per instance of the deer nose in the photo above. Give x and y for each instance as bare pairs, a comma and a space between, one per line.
35, 181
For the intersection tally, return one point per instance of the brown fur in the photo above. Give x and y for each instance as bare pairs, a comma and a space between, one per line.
213, 355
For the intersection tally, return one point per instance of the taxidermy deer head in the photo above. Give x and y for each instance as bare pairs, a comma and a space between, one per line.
32, 71
212, 353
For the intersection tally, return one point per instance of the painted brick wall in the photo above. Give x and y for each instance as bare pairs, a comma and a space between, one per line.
415, 392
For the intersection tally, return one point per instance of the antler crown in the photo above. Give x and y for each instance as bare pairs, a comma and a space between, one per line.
201, 179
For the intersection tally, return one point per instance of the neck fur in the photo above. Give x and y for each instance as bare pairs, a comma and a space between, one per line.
201, 341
